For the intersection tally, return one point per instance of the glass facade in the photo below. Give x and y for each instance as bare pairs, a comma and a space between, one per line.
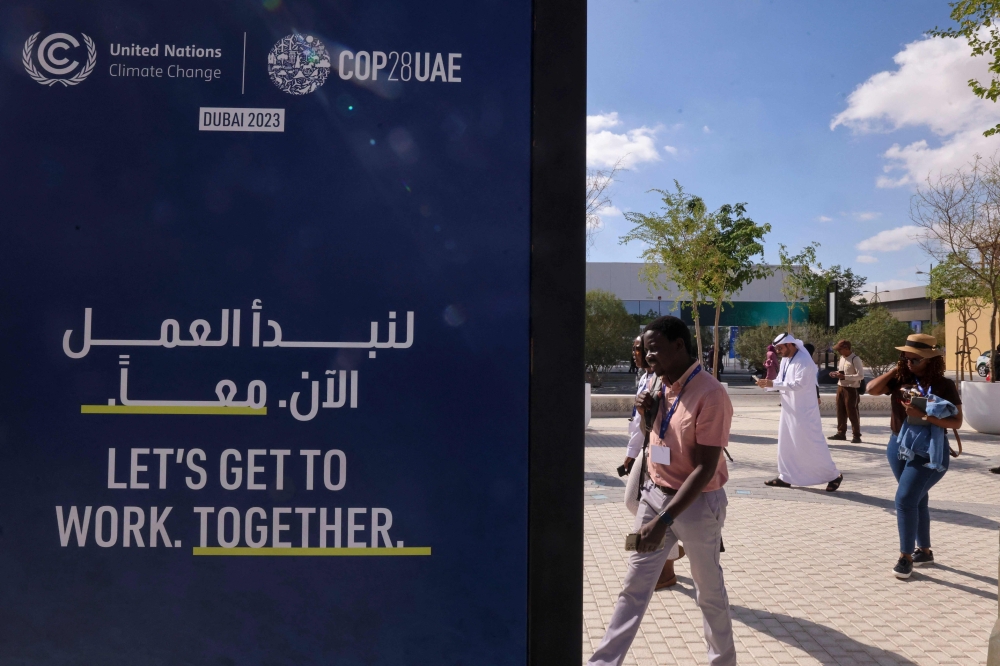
651, 309
741, 313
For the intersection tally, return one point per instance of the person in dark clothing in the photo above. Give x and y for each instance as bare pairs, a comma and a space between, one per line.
921, 369
811, 348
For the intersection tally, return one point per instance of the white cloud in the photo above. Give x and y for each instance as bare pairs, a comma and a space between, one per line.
670, 149
609, 211
632, 147
824, 218
928, 89
891, 239
706, 130
866, 216
866, 259
602, 121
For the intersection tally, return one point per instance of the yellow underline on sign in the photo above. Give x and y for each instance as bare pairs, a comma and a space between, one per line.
165, 409
313, 552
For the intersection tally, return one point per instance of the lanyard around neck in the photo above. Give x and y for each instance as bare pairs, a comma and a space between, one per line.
785, 371
673, 407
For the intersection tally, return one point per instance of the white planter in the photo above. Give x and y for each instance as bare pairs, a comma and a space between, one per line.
981, 406
586, 409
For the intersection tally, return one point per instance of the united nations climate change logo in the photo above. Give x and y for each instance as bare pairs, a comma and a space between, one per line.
298, 64
51, 58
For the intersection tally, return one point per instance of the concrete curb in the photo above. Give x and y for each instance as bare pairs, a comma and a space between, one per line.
612, 405
871, 405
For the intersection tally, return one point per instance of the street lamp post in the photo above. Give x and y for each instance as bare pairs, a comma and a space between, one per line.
874, 300
929, 275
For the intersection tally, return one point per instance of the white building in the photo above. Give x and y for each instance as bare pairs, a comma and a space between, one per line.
760, 302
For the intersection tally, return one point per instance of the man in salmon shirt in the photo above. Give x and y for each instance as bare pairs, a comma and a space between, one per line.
683, 496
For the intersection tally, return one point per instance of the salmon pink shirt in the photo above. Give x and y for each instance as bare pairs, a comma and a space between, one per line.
704, 416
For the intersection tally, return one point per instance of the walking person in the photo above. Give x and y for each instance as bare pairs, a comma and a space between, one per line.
683, 497
811, 350
803, 456
918, 451
771, 363
639, 426
850, 371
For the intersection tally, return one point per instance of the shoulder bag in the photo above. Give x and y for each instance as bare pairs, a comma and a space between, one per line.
633, 488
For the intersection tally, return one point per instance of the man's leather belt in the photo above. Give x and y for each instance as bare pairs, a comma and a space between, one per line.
666, 490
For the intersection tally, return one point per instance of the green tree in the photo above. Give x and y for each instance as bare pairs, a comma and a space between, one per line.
679, 247
608, 335
738, 240
751, 344
972, 16
819, 335
797, 277
848, 284
957, 214
875, 337
964, 295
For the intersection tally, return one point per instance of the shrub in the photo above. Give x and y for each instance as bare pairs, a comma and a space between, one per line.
610, 331
875, 337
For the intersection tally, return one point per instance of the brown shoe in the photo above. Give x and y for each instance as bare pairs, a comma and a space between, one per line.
667, 577
838, 436
663, 584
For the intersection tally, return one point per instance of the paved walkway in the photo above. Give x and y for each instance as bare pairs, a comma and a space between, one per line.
809, 572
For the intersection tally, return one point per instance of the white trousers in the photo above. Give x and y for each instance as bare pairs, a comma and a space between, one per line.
700, 528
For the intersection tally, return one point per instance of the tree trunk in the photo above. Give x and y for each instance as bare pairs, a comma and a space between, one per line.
958, 362
789, 331
715, 361
697, 328
993, 342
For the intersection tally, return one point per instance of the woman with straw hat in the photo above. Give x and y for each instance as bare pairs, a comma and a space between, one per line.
919, 373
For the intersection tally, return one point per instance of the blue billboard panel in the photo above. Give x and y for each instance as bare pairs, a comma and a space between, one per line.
264, 320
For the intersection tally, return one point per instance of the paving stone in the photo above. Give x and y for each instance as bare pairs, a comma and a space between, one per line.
809, 572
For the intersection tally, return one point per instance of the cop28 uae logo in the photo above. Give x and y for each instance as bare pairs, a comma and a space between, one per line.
298, 64
51, 57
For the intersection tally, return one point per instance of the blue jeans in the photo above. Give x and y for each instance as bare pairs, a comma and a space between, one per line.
913, 518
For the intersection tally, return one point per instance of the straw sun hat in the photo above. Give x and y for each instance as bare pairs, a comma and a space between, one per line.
922, 345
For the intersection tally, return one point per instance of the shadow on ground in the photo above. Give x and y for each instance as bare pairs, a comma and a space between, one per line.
604, 479
982, 579
751, 439
824, 644
922, 575
888, 505
871, 449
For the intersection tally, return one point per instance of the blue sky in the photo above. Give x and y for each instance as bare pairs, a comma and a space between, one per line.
736, 99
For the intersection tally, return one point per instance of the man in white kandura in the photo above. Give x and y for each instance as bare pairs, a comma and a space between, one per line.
803, 456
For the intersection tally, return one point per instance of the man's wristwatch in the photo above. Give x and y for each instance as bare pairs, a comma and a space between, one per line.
665, 518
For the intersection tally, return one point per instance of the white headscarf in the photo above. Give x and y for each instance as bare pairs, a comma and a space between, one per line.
789, 339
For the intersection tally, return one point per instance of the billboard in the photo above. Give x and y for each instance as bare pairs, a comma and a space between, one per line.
265, 320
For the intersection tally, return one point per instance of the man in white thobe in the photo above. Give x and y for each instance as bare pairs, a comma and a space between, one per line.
803, 456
